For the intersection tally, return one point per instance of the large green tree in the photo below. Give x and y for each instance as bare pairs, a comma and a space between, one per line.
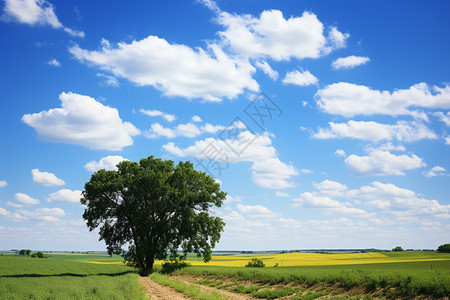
155, 208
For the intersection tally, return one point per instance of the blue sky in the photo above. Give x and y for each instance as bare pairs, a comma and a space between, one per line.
328, 123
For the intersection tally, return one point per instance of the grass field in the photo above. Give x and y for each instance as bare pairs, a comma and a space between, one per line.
68, 276
97, 276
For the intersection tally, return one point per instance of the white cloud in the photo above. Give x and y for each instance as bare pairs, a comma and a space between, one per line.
83, 121
256, 211
267, 69
340, 152
230, 199
267, 169
157, 113
398, 201
196, 119
372, 131
306, 171
25, 199
174, 69
313, 200
44, 214
4, 212
109, 80
65, 195
331, 188
12, 204
185, 130
108, 163
54, 62
3, 183
349, 62
271, 35
281, 194
380, 163
301, 78
46, 178
443, 117
35, 12
348, 100
435, 171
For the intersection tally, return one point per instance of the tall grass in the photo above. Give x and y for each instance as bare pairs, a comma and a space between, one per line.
407, 280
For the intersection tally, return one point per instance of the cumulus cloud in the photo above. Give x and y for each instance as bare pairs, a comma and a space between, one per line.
83, 121
331, 188
53, 62
4, 212
174, 69
348, 100
65, 195
35, 12
267, 69
157, 113
402, 131
108, 163
3, 183
349, 62
301, 78
108, 80
256, 211
271, 35
267, 169
435, 171
340, 152
46, 178
313, 200
185, 130
398, 201
381, 163
25, 199
44, 214
443, 117
196, 119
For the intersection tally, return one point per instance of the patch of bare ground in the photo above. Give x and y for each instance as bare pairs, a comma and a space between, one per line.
208, 289
156, 291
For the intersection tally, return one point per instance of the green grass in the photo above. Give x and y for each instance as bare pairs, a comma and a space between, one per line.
409, 279
67, 277
184, 288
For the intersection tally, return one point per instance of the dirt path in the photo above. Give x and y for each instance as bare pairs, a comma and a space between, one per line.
208, 289
156, 291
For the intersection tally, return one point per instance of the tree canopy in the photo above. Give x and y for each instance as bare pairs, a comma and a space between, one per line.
155, 208
445, 248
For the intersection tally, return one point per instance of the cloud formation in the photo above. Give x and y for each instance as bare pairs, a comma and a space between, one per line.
267, 169
382, 163
348, 100
349, 62
156, 113
402, 131
25, 199
83, 121
46, 178
174, 69
301, 78
108, 163
271, 35
35, 12
65, 195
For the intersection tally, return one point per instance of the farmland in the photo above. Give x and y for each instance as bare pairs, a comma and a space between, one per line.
297, 276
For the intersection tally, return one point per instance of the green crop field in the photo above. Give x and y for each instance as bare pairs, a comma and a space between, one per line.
67, 276
306, 276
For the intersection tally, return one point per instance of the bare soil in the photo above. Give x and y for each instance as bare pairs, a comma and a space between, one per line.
156, 291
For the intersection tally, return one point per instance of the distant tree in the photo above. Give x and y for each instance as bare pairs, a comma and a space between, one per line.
156, 209
28, 252
22, 252
255, 263
397, 249
39, 254
445, 248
